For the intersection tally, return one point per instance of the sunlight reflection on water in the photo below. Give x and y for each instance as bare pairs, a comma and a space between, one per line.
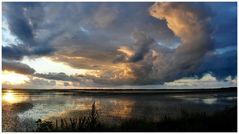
52, 105
11, 97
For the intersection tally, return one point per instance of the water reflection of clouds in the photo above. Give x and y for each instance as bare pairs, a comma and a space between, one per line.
62, 105
231, 98
53, 105
118, 107
210, 100
108, 108
206, 99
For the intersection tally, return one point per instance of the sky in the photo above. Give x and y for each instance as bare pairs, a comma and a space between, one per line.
119, 45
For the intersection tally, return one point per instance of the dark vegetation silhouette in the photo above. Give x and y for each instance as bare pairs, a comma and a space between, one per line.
223, 121
85, 123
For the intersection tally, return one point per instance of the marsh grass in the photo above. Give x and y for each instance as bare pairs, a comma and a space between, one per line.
85, 123
223, 121
11, 122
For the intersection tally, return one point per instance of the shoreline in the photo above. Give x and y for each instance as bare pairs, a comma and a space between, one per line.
229, 89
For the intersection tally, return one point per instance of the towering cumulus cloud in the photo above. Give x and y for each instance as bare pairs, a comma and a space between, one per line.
189, 22
120, 43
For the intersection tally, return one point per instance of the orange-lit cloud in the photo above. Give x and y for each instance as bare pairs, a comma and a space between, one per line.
118, 43
184, 20
126, 51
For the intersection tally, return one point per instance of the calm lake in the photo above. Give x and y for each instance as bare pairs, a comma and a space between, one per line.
22, 108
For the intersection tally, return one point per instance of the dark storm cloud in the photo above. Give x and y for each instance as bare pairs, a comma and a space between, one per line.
101, 36
17, 52
96, 40
56, 76
17, 67
143, 44
82, 26
18, 23
222, 62
13, 52
23, 20
188, 55
68, 80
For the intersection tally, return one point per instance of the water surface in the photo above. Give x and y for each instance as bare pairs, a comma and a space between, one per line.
22, 108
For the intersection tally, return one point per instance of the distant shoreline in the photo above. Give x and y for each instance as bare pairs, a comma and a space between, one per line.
130, 91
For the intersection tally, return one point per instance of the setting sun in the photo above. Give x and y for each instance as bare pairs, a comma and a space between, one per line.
13, 78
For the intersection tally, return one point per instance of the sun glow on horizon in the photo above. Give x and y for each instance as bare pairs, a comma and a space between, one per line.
13, 78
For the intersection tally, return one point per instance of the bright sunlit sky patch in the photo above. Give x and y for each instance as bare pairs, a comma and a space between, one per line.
45, 65
13, 78
119, 45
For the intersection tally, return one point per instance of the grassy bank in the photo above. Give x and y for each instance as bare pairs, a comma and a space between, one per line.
222, 121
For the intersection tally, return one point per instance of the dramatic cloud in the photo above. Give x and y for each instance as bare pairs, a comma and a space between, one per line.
13, 52
143, 45
17, 67
50, 28
18, 23
34, 83
120, 43
23, 20
184, 19
57, 76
